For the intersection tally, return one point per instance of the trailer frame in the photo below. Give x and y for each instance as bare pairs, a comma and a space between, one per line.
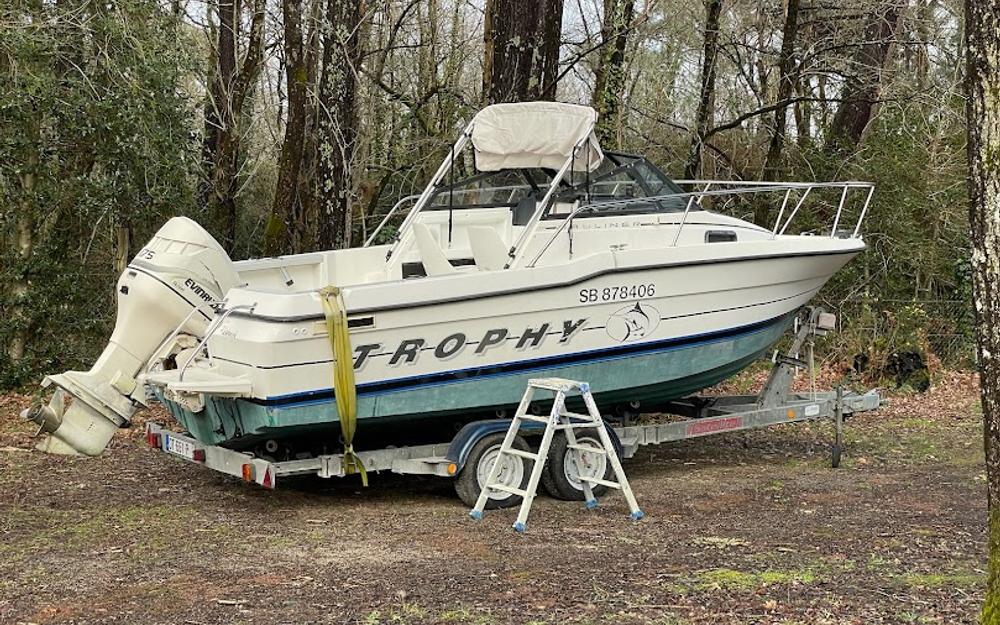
701, 416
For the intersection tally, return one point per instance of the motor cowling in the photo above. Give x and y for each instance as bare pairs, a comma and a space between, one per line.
172, 284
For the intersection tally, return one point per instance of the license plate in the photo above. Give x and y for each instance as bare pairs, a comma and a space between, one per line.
179, 447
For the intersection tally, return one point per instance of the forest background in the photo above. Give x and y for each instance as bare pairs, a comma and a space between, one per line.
288, 126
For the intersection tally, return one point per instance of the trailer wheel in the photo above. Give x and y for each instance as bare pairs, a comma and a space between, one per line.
516, 472
561, 476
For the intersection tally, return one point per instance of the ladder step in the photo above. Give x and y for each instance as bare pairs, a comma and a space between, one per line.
554, 384
576, 415
528, 417
600, 482
508, 489
588, 449
520, 453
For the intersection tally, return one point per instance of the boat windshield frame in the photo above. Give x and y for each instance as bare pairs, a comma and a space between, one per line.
655, 185
585, 142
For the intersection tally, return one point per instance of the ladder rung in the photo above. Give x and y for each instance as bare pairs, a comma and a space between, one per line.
576, 415
588, 449
508, 489
600, 482
554, 384
528, 417
520, 453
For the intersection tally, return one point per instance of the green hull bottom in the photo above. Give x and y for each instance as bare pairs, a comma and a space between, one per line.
650, 378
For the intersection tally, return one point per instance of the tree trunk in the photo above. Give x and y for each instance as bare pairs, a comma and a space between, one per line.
123, 244
703, 118
982, 20
224, 112
922, 60
522, 49
284, 225
25, 243
803, 113
863, 89
336, 123
609, 84
786, 86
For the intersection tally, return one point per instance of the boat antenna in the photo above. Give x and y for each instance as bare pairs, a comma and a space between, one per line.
572, 168
451, 193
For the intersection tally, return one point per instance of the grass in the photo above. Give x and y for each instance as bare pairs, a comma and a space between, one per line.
915, 441
155, 528
730, 579
411, 613
943, 580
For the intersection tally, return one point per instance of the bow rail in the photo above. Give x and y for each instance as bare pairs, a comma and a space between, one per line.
739, 188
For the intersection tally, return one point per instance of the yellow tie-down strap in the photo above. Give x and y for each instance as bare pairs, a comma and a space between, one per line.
343, 377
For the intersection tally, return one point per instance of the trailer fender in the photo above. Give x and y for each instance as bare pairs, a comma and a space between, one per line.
472, 433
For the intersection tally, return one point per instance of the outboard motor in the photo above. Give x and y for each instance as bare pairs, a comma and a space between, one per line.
175, 279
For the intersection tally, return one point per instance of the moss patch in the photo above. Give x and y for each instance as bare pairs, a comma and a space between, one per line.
743, 580
943, 580
413, 613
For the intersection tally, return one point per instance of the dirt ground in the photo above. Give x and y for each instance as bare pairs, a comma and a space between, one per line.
740, 528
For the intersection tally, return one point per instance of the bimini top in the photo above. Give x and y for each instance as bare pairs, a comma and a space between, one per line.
535, 134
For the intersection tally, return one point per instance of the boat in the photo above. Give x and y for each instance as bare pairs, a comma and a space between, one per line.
549, 257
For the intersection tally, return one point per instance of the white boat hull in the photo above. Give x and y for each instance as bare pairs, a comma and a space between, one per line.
655, 332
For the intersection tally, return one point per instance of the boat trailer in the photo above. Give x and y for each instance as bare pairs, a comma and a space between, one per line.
700, 415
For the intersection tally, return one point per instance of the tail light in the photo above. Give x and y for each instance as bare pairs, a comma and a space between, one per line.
248, 473
153, 440
198, 455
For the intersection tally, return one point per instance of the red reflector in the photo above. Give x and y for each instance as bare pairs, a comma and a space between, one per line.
198, 455
248, 473
267, 482
153, 440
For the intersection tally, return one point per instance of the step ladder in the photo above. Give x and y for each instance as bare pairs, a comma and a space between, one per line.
559, 419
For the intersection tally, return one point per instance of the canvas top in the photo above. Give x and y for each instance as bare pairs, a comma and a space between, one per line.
534, 134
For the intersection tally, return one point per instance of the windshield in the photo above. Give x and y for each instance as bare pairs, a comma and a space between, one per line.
619, 177
623, 177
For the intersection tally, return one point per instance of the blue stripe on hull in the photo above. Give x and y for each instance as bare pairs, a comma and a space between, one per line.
659, 374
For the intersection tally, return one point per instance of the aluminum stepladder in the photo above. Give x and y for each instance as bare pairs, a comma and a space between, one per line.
559, 419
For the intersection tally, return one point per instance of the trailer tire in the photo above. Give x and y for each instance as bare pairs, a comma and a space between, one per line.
477, 466
557, 476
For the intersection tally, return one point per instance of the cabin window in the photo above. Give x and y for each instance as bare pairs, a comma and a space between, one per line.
361, 322
720, 236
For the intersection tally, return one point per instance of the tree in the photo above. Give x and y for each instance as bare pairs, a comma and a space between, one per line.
224, 113
95, 141
336, 127
786, 86
522, 50
285, 220
864, 86
703, 118
982, 84
609, 79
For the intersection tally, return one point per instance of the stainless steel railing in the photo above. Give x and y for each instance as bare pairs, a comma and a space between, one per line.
752, 187
788, 187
